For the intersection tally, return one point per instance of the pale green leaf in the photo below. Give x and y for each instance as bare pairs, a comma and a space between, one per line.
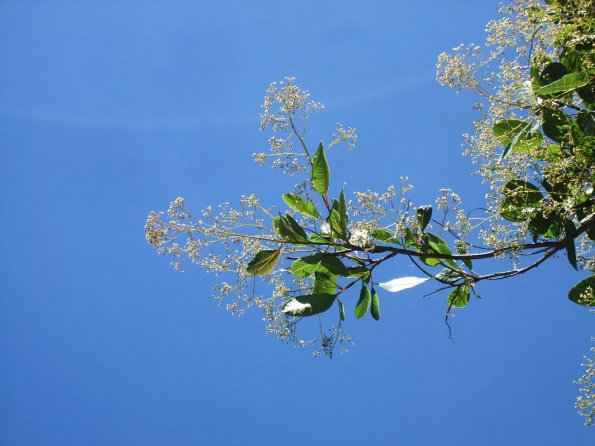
300, 205
321, 173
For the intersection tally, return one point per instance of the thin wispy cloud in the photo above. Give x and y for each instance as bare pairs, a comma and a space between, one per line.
394, 88
192, 122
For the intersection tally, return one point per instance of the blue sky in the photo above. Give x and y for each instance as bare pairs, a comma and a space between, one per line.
111, 109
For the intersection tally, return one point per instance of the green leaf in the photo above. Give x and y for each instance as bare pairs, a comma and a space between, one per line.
308, 305
437, 245
342, 209
553, 152
375, 308
459, 297
321, 173
297, 203
522, 193
570, 229
324, 283
529, 143
423, 214
264, 262
363, 303
557, 126
336, 223
289, 229
566, 83
462, 249
587, 94
548, 228
341, 310
515, 134
551, 73
507, 129
319, 262
316, 238
358, 272
558, 191
522, 199
384, 235
411, 240
583, 293
449, 276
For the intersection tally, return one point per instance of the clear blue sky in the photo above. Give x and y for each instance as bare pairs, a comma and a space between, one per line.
110, 109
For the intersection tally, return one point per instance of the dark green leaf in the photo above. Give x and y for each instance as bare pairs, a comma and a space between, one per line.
587, 94
522, 193
522, 199
341, 310
363, 303
507, 129
586, 121
557, 126
423, 214
308, 305
566, 83
552, 72
548, 228
342, 209
558, 191
459, 297
321, 174
297, 203
319, 262
264, 262
324, 283
375, 308
583, 293
569, 230
289, 230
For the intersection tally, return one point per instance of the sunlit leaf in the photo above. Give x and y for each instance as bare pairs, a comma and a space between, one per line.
459, 297
264, 262
507, 129
321, 173
289, 229
569, 82
436, 244
297, 203
324, 283
402, 283
308, 305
